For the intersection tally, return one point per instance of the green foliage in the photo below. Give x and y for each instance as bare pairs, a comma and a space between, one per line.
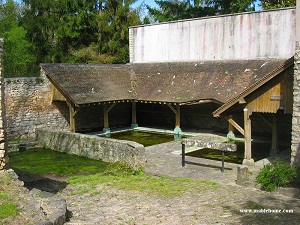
273, 4
276, 174
18, 57
80, 31
170, 10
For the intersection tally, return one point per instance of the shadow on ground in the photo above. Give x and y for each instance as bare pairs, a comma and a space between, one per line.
41, 182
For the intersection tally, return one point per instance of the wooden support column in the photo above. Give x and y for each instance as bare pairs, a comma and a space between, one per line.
176, 110
247, 129
274, 149
177, 123
106, 109
72, 113
133, 115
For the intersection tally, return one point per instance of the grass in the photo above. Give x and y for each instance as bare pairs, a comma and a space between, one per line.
7, 207
159, 185
45, 161
87, 174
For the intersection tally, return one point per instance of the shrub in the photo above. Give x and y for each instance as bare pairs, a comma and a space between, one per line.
277, 174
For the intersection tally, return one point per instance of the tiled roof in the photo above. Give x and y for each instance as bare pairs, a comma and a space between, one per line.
174, 82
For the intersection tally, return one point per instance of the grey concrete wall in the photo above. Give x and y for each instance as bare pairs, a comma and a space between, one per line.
255, 35
91, 146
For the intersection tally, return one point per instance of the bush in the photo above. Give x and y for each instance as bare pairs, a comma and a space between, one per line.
277, 174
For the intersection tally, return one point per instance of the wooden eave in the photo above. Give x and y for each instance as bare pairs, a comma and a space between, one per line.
240, 99
60, 89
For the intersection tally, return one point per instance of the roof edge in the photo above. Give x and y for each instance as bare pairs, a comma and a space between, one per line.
253, 87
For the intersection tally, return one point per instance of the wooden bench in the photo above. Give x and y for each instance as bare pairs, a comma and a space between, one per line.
195, 144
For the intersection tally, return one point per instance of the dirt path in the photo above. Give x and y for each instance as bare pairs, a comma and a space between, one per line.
219, 205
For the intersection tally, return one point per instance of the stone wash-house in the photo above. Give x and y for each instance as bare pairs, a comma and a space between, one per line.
207, 73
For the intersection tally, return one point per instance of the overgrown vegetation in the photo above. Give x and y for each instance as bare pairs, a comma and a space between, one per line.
276, 174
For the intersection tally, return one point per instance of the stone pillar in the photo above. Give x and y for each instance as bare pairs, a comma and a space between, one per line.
3, 143
295, 143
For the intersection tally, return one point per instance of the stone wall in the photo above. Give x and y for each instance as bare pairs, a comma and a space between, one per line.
295, 145
94, 147
29, 107
3, 153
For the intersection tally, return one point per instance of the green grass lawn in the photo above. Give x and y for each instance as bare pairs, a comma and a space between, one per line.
86, 174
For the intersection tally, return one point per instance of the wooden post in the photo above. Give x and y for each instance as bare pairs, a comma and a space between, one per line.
106, 109
177, 124
72, 117
106, 123
274, 149
133, 115
177, 129
247, 129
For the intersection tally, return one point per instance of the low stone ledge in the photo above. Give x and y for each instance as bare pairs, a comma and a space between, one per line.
93, 147
53, 206
15, 147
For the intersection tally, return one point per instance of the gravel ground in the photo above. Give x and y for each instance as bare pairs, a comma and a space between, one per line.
210, 205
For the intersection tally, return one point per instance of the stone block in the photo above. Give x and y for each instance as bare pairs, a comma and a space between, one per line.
242, 174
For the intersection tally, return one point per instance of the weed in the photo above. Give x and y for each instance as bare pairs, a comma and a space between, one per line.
8, 209
276, 174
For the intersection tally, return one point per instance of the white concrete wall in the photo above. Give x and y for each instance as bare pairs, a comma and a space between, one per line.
256, 35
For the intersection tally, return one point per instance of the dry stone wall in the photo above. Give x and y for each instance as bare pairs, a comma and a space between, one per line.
93, 147
295, 145
3, 153
29, 107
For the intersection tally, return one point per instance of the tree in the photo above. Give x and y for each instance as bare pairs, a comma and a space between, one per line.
18, 57
80, 31
175, 10
272, 4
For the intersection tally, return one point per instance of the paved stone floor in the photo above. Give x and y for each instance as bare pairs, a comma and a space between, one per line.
223, 204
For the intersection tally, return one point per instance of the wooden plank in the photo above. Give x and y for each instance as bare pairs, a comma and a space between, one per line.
230, 126
236, 126
172, 108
